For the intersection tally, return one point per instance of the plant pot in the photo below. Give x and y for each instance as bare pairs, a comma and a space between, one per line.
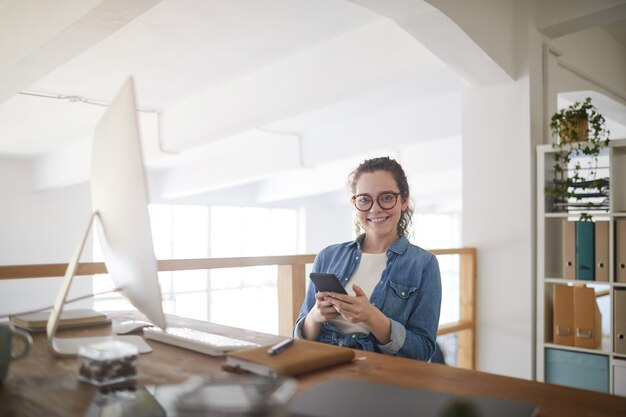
575, 130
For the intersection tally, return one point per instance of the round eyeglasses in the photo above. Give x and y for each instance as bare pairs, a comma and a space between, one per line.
386, 201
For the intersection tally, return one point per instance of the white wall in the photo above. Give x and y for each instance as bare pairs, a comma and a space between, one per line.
497, 220
38, 227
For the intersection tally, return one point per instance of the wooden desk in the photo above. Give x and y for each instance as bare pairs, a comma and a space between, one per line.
42, 385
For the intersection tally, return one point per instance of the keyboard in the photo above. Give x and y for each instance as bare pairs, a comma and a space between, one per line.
196, 340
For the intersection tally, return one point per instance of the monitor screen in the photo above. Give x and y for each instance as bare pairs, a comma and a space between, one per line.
119, 195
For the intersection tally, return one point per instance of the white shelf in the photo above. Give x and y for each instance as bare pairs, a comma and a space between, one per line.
550, 253
605, 347
580, 281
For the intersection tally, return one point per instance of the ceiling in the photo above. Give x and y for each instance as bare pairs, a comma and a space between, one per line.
230, 92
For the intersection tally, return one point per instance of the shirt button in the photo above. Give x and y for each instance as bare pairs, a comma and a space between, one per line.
357, 257
403, 293
353, 336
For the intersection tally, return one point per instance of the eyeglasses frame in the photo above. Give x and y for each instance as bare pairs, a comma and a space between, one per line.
377, 199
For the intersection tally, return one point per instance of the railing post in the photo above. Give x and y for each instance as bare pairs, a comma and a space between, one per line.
291, 291
467, 286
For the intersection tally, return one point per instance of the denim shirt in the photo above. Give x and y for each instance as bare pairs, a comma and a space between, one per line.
408, 293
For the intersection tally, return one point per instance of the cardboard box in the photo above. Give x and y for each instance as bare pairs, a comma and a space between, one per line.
563, 318
602, 251
569, 249
587, 318
619, 326
619, 377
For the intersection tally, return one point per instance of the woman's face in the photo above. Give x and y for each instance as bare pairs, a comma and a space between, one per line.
379, 223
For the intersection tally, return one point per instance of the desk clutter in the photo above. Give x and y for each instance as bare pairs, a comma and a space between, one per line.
219, 395
236, 396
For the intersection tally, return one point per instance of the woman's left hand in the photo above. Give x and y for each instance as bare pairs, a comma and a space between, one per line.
353, 309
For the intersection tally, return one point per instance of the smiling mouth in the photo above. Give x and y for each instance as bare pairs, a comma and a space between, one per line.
378, 219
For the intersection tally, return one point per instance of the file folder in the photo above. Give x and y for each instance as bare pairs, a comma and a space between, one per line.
563, 318
620, 251
569, 250
587, 319
619, 328
602, 251
585, 251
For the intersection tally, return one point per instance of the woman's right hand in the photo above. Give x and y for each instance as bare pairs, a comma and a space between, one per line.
322, 311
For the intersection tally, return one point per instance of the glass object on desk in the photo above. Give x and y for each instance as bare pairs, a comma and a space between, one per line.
108, 364
225, 396
125, 403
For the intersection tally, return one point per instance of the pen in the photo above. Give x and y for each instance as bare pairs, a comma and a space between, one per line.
279, 347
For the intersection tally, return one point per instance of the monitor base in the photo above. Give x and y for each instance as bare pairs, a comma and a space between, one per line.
67, 347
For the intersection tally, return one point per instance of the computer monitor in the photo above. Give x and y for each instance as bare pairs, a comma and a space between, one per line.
120, 202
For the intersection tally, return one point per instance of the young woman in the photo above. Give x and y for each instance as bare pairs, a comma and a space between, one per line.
396, 285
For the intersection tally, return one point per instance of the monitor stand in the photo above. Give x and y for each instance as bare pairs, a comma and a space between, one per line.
64, 347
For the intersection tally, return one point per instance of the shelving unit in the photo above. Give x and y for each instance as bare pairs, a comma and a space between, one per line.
550, 261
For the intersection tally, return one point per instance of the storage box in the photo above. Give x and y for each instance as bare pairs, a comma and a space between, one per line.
563, 319
587, 319
619, 329
619, 377
111, 363
577, 369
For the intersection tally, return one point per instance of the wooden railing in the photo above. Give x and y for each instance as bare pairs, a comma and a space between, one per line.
291, 287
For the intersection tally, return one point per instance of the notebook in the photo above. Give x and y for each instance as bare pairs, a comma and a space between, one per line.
69, 318
301, 357
343, 398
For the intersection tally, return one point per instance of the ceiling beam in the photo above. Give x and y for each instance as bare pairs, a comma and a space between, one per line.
346, 66
241, 159
38, 36
443, 37
563, 17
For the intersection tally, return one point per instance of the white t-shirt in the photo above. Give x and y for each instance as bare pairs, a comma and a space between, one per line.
366, 276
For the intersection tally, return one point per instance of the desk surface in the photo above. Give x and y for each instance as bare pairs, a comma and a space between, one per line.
43, 385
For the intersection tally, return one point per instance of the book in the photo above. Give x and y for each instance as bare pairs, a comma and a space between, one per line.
35, 322
301, 357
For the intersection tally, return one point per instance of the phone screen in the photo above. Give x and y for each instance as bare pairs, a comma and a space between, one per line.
327, 282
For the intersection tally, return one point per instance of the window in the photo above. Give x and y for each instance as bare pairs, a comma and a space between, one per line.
249, 231
441, 231
181, 231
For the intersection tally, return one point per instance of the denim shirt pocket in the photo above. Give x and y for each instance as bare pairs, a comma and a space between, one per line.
399, 301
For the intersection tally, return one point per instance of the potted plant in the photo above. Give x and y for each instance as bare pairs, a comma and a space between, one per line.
581, 133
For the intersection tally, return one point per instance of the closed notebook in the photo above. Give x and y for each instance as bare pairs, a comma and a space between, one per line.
69, 318
301, 357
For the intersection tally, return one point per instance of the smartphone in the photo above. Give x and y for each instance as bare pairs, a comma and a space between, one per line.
327, 282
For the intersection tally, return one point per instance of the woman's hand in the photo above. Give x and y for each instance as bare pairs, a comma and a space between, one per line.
323, 310
358, 308
353, 309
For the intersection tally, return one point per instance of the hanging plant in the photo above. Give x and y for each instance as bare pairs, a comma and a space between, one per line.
580, 130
